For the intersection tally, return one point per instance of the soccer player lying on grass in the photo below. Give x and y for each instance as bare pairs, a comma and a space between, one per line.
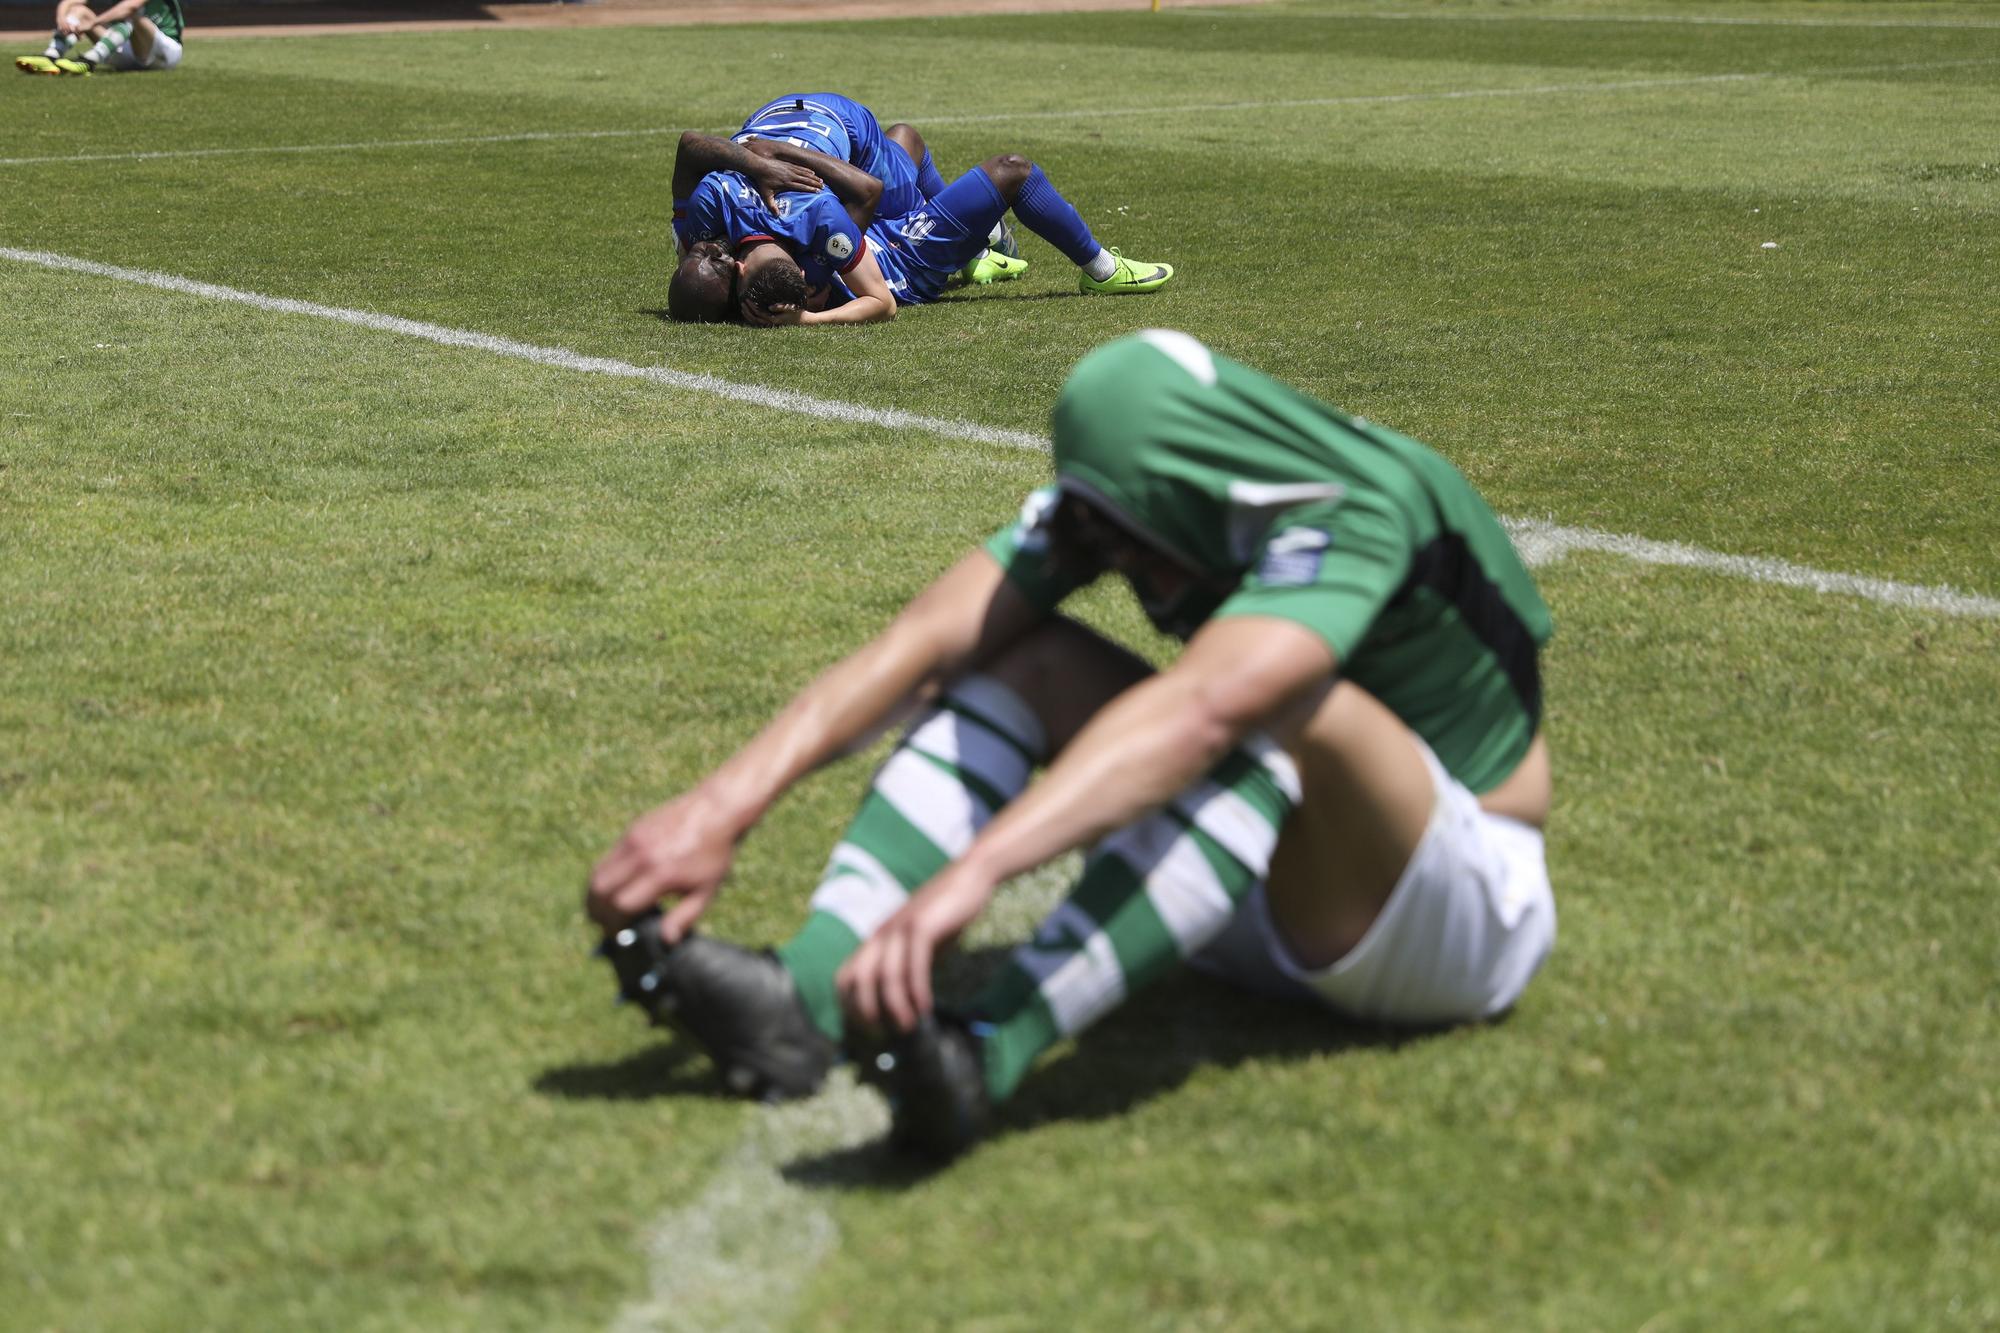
1335, 793
898, 158
130, 35
809, 260
843, 129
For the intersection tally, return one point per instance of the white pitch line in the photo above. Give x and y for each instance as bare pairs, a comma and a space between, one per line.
736, 1259
357, 146
1543, 541
1086, 113
779, 400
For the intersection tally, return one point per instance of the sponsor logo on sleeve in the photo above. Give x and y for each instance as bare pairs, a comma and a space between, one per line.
839, 246
1293, 557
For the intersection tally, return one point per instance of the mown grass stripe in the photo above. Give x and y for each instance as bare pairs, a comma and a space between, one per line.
1060, 114
1541, 541
1686, 20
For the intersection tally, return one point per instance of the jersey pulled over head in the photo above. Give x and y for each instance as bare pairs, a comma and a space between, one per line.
1191, 454
1219, 491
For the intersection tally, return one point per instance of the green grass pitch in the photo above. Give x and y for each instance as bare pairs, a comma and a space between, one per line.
332, 657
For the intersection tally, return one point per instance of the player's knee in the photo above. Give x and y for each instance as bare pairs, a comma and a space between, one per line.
905, 136
1009, 172
1065, 672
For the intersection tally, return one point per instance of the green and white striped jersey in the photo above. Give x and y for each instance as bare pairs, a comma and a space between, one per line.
166, 16
1290, 508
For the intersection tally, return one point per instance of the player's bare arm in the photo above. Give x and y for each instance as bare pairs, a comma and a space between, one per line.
684, 848
124, 9
1147, 746
873, 302
858, 191
699, 154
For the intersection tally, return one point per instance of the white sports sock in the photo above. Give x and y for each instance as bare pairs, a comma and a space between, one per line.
1101, 267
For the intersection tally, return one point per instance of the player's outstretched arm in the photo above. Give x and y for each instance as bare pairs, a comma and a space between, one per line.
683, 849
699, 154
1146, 747
873, 301
858, 191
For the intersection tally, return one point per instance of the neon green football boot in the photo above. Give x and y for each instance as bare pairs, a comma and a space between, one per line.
992, 267
1131, 276
35, 65
68, 66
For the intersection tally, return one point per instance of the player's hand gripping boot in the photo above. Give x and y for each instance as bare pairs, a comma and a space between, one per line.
738, 1004
935, 1081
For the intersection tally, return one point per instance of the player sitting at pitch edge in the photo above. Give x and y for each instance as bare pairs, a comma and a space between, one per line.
801, 258
130, 35
1335, 792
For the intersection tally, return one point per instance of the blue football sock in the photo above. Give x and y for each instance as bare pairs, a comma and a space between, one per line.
1046, 213
929, 181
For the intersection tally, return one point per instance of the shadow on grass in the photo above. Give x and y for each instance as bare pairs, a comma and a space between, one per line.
959, 295
657, 1071
1148, 1048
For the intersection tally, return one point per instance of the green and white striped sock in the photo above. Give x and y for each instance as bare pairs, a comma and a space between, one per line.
113, 39
1150, 896
59, 42
958, 764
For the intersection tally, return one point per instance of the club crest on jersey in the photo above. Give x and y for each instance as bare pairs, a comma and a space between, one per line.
1293, 557
839, 246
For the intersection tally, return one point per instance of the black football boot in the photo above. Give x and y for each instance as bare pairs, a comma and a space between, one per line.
739, 1004
936, 1085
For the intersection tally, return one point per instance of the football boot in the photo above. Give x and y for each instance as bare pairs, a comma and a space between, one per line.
738, 1004
1130, 276
935, 1082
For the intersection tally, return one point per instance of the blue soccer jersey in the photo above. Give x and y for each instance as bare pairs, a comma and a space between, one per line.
813, 227
919, 252
840, 127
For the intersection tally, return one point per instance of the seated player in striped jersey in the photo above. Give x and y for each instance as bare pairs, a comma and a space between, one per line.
129, 35
1335, 792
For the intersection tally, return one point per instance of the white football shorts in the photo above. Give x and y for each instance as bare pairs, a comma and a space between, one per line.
166, 53
1463, 932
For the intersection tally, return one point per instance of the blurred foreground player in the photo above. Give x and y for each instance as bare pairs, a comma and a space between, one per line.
1336, 791
129, 35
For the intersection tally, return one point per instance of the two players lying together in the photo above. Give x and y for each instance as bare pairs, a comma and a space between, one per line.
812, 213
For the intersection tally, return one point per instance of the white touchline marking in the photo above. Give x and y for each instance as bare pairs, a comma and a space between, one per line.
739, 1255
1546, 541
359, 146
1009, 117
781, 400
